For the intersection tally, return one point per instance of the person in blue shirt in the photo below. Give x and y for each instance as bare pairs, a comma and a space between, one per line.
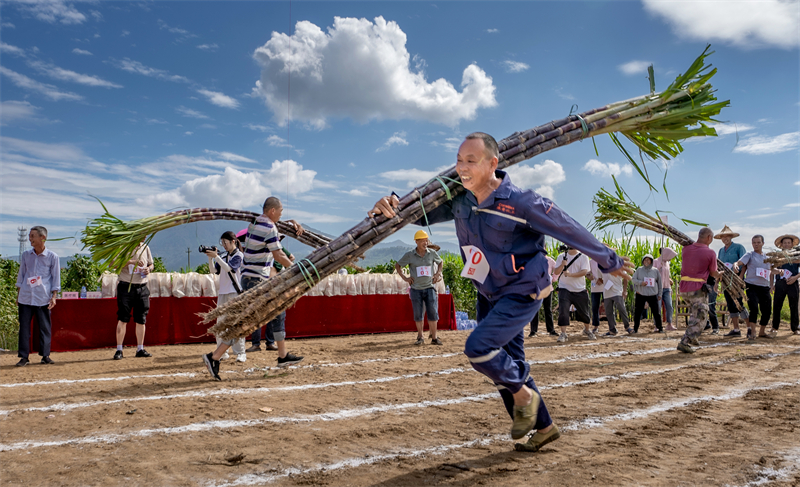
38, 283
786, 286
501, 229
729, 255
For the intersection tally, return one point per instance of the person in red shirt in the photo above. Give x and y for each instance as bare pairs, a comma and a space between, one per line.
698, 263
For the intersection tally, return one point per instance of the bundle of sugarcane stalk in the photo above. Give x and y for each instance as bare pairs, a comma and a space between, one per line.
655, 123
112, 241
616, 210
781, 257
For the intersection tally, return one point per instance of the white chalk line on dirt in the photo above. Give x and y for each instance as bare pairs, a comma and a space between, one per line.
256, 479
98, 379
768, 475
333, 416
262, 390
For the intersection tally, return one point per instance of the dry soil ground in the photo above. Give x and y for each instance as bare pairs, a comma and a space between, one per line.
377, 411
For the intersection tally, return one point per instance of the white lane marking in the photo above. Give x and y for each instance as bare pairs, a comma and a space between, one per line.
256, 479
333, 416
99, 379
262, 390
768, 475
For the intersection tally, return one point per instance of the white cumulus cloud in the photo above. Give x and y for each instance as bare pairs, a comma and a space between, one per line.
52, 11
136, 67
758, 144
412, 177
82, 52
13, 111
607, 169
515, 66
360, 69
208, 47
230, 156
220, 99
9, 49
398, 138
731, 128
276, 141
188, 112
634, 67
542, 178
746, 23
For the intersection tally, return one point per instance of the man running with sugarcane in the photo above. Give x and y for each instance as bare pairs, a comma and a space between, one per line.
698, 263
501, 229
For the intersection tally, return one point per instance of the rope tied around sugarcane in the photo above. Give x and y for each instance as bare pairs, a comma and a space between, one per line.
307, 273
440, 180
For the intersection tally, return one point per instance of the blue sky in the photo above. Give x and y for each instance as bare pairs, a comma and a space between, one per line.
152, 106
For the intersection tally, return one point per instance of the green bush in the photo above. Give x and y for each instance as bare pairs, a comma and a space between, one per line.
9, 318
80, 271
465, 295
158, 265
202, 268
387, 268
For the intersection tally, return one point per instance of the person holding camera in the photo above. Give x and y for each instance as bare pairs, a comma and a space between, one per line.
573, 267
229, 269
133, 296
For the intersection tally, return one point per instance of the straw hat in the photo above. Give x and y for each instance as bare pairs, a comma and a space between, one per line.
726, 232
795, 240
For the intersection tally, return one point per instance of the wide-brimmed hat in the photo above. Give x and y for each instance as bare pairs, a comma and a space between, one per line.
795, 240
726, 232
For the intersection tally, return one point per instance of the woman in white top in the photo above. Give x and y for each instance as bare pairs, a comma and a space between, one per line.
229, 269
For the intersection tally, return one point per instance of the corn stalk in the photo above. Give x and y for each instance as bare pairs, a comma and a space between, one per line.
616, 210
656, 123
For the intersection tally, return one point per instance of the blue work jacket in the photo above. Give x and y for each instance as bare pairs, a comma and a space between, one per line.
514, 250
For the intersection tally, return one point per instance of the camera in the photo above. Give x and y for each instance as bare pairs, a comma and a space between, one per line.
562, 248
204, 249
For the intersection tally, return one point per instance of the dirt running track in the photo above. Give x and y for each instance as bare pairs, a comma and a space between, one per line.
378, 411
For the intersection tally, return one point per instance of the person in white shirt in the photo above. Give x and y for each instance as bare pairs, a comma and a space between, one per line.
595, 276
573, 267
759, 279
615, 288
547, 305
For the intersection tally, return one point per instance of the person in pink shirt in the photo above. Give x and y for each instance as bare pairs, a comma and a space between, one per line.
699, 262
666, 254
547, 305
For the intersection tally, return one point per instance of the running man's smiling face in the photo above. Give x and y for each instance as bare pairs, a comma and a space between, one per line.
473, 165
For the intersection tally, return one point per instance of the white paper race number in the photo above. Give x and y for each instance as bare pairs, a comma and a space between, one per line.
650, 281
728, 265
787, 273
609, 284
762, 272
476, 267
35, 281
424, 271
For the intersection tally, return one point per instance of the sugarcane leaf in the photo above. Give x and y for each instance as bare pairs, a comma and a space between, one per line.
630, 159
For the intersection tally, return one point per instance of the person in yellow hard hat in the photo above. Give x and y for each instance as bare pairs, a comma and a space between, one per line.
420, 262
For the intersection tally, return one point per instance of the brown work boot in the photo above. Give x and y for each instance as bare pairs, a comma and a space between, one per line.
525, 417
538, 440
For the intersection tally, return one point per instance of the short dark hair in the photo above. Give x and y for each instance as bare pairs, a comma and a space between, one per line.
759, 236
489, 144
270, 203
705, 232
40, 230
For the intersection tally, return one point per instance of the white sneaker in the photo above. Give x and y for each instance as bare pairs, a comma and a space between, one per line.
589, 334
225, 356
562, 338
241, 358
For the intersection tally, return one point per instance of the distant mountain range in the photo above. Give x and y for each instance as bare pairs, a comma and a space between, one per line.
172, 245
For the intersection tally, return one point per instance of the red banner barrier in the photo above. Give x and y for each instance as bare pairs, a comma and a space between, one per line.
82, 324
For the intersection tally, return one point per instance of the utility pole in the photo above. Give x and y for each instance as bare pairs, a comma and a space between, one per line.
188, 259
22, 237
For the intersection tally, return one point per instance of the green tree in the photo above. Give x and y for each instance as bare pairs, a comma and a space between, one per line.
465, 295
9, 319
158, 265
80, 271
202, 268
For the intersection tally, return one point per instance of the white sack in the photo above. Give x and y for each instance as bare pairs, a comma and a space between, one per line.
178, 281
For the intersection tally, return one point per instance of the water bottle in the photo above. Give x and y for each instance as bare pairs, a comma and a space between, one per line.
447, 290
83, 292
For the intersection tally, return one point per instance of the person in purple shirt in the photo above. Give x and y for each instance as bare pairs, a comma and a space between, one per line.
501, 229
38, 283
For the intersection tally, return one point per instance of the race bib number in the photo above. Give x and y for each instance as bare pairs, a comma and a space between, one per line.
762, 272
728, 265
609, 285
476, 267
424, 271
35, 281
786, 274
650, 281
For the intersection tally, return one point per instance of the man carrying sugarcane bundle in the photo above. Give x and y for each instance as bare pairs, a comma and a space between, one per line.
501, 229
698, 263
786, 286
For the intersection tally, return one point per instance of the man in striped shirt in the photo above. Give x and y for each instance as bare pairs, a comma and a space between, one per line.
262, 247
